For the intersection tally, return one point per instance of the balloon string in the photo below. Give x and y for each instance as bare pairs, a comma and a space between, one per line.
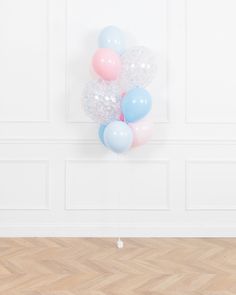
119, 198
120, 243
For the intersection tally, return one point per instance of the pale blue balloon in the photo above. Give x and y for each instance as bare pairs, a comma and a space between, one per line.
118, 136
136, 104
101, 133
112, 37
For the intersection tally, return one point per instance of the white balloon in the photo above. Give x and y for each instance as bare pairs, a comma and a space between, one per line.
138, 67
101, 101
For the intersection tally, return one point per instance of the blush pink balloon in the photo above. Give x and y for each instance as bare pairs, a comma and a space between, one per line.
106, 63
142, 131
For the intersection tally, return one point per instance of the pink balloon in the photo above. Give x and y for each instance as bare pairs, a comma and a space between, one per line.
106, 63
142, 131
122, 118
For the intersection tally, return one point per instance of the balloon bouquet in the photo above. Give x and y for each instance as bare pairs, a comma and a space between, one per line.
117, 99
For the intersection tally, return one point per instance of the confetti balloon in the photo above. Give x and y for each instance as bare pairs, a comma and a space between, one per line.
138, 67
101, 101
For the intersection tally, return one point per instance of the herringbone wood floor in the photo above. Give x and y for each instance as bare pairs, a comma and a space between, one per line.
65, 266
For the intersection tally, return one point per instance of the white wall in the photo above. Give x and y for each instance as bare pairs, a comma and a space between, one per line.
57, 179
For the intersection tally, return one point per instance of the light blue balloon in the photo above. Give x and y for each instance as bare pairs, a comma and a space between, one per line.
112, 37
136, 104
101, 133
118, 136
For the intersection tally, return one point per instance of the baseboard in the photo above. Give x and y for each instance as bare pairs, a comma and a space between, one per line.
115, 231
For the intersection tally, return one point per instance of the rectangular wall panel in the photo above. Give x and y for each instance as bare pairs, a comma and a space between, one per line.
211, 185
23, 184
147, 27
211, 61
24, 60
117, 185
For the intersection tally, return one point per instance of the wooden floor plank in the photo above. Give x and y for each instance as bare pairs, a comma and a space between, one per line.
160, 266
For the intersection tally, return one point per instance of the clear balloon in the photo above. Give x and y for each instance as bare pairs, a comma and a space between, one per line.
136, 104
112, 37
142, 131
118, 137
107, 64
138, 67
101, 101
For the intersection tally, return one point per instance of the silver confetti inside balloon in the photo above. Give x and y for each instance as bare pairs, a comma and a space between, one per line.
138, 67
101, 101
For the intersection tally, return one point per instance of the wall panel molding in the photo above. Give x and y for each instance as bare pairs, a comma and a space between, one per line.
221, 37
174, 141
69, 207
204, 181
29, 176
46, 74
